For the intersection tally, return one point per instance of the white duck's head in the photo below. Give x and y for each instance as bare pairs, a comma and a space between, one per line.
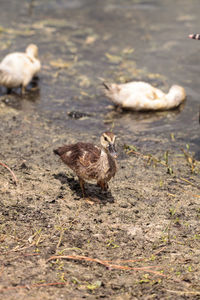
32, 50
176, 94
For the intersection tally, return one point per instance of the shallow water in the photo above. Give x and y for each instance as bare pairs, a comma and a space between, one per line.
118, 41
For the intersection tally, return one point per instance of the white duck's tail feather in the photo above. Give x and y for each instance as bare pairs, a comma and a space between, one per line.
9, 79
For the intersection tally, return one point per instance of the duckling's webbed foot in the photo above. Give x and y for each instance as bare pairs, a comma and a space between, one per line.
89, 200
82, 182
103, 185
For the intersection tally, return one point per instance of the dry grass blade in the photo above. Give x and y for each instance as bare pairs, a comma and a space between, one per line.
190, 160
12, 173
160, 250
126, 261
184, 292
198, 196
17, 249
189, 182
152, 159
31, 286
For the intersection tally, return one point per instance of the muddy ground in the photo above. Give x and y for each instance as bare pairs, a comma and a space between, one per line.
142, 240
148, 222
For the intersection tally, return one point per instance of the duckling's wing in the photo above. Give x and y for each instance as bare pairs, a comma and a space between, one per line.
89, 154
83, 154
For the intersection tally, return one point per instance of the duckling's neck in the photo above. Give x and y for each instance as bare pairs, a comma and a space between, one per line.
104, 152
105, 155
104, 160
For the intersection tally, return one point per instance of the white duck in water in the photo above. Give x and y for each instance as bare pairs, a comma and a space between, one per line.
138, 95
18, 68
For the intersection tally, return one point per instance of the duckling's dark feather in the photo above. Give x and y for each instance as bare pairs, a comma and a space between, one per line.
83, 153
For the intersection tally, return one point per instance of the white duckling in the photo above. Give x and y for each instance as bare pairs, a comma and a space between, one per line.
18, 68
138, 95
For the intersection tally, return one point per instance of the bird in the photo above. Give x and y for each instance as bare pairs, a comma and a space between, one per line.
91, 162
194, 36
139, 96
18, 68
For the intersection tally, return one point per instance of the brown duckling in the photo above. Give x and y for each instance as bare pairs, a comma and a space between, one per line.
18, 68
91, 162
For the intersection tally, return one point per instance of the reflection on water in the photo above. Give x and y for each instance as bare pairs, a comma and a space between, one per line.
83, 41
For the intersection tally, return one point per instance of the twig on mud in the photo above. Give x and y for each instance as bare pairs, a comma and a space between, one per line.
126, 261
106, 264
25, 247
160, 250
12, 173
184, 292
31, 286
30, 254
24, 255
16, 249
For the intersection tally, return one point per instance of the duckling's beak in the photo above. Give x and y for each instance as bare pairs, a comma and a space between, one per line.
112, 150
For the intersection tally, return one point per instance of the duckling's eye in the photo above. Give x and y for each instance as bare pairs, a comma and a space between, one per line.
105, 138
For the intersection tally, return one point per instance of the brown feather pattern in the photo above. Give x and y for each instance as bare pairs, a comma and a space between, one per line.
80, 156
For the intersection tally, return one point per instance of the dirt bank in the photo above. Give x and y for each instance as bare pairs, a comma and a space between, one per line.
146, 228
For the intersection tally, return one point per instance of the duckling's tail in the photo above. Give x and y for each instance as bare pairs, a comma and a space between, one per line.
61, 150
56, 151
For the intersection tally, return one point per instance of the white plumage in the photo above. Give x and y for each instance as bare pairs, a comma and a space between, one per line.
138, 95
18, 68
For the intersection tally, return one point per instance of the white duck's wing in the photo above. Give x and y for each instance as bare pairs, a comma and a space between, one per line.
18, 69
134, 95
